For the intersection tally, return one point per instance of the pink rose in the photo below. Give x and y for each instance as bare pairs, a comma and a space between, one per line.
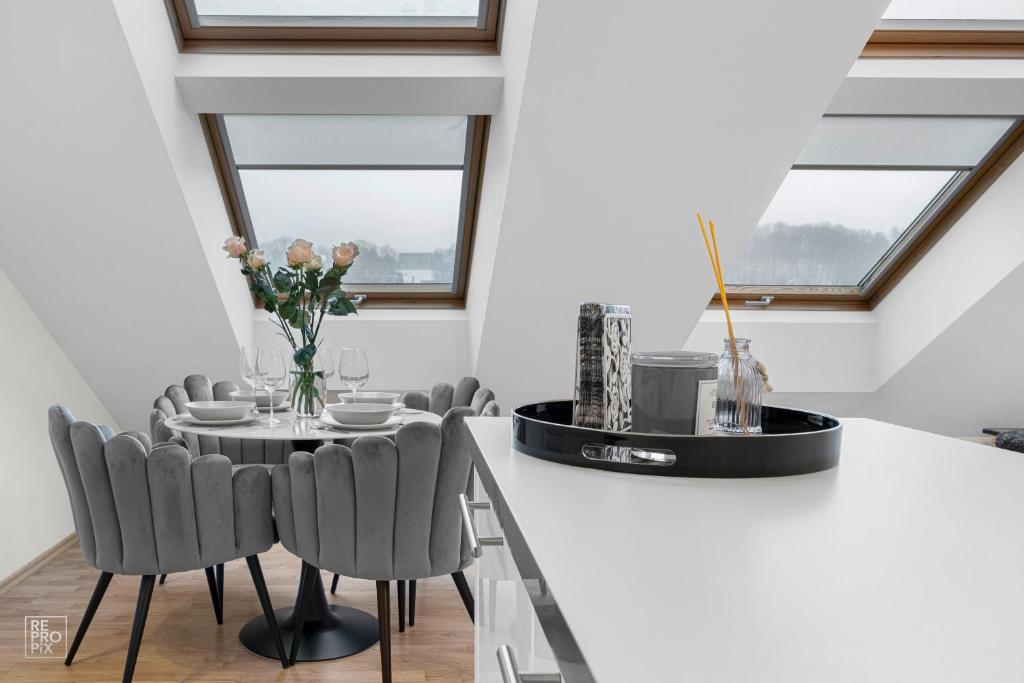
235, 246
314, 263
345, 254
299, 252
257, 259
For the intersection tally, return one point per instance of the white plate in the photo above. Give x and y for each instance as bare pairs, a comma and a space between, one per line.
383, 426
188, 419
382, 397
277, 409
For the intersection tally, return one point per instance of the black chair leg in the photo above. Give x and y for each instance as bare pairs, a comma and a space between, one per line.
401, 605
163, 577
384, 624
211, 581
467, 597
268, 609
308, 584
412, 602
90, 611
297, 607
141, 611
334, 584
219, 571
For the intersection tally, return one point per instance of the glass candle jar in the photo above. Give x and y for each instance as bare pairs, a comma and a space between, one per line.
738, 400
674, 392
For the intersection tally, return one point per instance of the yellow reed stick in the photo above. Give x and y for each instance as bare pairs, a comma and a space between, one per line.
716, 266
721, 289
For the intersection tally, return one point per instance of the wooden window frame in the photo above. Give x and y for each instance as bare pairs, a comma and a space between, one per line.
377, 296
485, 39
866, 297
947, 40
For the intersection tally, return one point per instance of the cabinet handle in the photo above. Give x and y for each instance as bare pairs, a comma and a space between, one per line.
475, 543
510, 672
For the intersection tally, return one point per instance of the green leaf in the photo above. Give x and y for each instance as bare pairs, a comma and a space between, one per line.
282, 280
328, 284
341, 306
287, 309
304, 356
300, 318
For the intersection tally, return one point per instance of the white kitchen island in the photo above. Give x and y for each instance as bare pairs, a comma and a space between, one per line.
905, 563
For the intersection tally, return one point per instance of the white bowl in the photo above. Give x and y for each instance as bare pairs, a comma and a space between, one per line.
360, 413
219, 410
260, 398
383, 397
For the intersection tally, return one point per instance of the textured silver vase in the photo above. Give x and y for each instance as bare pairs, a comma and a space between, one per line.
603, 369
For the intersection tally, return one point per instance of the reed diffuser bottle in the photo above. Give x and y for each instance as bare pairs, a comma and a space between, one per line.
740, 385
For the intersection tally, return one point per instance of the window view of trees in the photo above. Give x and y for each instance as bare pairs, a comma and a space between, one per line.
808, 254
380, 264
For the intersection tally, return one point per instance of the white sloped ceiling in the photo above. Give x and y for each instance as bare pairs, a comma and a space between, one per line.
96, 233
635, 115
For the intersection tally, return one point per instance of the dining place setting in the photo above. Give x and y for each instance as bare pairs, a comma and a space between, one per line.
266, 409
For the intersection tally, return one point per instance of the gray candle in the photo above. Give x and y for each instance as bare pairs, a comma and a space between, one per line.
674, 392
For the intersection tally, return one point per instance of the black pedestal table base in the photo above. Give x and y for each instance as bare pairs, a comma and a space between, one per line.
330, 632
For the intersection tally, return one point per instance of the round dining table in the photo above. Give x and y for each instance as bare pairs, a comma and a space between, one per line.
330, 631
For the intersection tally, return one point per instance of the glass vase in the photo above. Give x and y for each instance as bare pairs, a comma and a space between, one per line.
738, 399
308, 392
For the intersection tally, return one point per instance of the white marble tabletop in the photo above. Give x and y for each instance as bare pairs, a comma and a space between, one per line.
292, 429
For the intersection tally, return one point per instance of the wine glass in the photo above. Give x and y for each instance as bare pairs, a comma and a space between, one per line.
247, 366
353, 369
273, 371
323, 362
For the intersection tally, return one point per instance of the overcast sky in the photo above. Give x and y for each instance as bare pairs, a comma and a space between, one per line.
955, 9
410, 210
345, 8
873, 200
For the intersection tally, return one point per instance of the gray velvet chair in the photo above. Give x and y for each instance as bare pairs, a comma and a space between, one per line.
383, 511
144, 514
443, 397
238, 451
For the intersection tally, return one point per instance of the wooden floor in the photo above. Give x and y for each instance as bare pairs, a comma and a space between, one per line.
183, 642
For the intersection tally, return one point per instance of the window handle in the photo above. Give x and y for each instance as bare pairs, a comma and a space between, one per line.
763, 301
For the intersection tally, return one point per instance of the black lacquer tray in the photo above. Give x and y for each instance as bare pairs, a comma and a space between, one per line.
793, 442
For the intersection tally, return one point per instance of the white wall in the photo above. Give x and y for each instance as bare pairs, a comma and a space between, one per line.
405, 349
155, 54
35, 373
96, 232
515, 59
984, 246
804, 351
622, 136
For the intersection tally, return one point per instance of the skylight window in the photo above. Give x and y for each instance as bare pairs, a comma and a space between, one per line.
865, 193
402, 187
949, 28
450, 13
337, 25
